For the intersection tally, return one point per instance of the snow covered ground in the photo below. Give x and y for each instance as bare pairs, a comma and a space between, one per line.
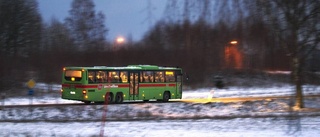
54, 98
271, 117
238, 127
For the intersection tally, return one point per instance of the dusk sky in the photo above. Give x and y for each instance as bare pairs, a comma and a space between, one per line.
123, 17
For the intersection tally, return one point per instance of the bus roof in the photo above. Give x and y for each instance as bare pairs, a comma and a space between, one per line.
129, 67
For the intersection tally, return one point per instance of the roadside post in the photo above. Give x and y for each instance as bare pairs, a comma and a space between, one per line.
31, 84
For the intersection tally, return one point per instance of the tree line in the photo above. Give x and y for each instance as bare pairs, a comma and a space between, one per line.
194, 35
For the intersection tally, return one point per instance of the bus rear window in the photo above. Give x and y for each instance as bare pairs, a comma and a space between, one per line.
73, 75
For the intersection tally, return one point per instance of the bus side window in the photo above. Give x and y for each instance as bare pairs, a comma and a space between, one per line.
151, 76
113, 76
170, 76
158, 76
92, 76
124, 76
101, 77
147, 76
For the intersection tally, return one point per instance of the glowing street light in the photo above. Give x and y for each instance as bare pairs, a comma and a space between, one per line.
234, 42
118, 43
120, 40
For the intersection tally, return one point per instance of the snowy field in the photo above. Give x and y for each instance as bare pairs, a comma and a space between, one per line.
238, 127
270, 117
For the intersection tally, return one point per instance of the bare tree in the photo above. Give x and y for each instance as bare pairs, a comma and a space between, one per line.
296, 25
86, 26
20, 26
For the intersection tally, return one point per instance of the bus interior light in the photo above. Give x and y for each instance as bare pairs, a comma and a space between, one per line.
169, 73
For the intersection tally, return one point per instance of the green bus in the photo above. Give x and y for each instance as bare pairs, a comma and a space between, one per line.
101, 84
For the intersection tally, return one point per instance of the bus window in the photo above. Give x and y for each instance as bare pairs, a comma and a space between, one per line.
141, 77
170, 76
147, 76
159, 76
101, 76
92, 76
73, 75
113, 76
124, 76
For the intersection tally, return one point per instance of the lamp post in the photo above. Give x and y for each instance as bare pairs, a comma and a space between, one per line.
233, 56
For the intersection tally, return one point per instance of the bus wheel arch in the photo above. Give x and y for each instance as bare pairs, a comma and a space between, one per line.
166, 96
108, 97
119, 97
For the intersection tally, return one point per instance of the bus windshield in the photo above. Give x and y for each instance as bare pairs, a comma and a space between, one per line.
73, 75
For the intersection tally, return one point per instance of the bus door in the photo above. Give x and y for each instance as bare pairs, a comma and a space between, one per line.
134, 86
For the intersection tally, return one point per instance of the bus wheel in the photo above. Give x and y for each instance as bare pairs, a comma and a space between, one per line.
166, 96
119, 97
108, 98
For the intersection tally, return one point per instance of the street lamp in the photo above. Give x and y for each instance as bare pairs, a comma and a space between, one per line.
233, 55
118, 43
120, 40
234, 42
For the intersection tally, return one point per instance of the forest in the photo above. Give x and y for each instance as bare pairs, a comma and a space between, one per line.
202, 37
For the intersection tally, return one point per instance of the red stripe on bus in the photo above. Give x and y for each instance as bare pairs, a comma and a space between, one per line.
79, 86
65, 85
86, 86
152, 85
123, 85
156, 85
119, 85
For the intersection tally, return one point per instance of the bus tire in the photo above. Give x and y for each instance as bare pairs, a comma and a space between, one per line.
108, 98
119, 97
166, 96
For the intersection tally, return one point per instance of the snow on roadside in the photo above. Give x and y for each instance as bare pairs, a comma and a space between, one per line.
163, 110
54, 98
249, 92
36, 100
145, 111
251, 118
248, 118
240, 127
